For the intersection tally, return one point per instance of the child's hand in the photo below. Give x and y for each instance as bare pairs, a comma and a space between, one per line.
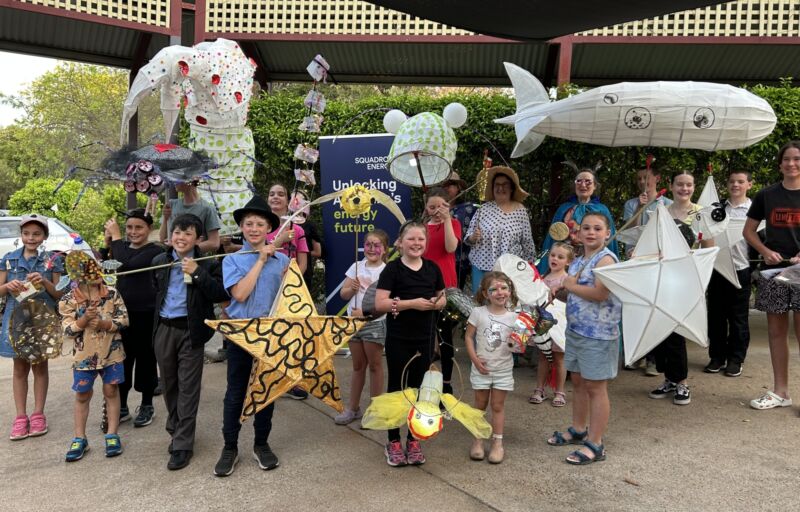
267, 251
94, 323
35, 278
569, 282
425, 304
772, 258
357, 312
480, 366
112, 228
15, 286
355, 284
90, 313
188, 265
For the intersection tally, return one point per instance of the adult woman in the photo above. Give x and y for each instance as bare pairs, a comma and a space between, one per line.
778, 204
572, 211
501, 226
140, 299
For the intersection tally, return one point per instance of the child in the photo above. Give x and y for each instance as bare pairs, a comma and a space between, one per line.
185, 297
777, 205
411, 288
252, 280
561, 255
444, 235
366, 346
492, 373
592, 346
191, 202
92, 315
729, 307
19, 268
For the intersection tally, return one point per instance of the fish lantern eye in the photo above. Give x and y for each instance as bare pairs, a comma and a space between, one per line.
418, 415
718, 213
430, 421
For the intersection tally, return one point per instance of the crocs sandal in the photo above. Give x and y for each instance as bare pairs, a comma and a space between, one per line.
576, 437
537, 397
770, 400
559, 399
578, 458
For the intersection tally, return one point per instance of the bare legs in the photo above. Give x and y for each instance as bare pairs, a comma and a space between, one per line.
778, 329
82, 400
41, 380
366, 355
590, 406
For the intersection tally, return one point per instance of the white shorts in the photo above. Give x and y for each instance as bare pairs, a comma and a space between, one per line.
502, 380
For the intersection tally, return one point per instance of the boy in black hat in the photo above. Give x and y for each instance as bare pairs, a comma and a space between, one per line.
252, 280
185, 297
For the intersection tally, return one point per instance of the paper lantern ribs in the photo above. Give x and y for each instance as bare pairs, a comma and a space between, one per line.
691, 115
214, 82
662, 287
292, 347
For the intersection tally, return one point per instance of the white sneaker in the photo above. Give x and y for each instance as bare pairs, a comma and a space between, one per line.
347, 416
770, 400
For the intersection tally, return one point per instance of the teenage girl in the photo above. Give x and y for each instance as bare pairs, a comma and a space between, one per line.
366, 346
444, 235
492, 373
592, 346
17, 269
411, 290
561, 255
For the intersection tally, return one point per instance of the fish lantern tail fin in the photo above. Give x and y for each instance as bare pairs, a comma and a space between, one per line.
473, 419
529, 93
528, 90
389, 410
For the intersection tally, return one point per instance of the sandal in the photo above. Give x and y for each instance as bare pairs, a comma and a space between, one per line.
576, 437
537, 397
559, 399
578, 458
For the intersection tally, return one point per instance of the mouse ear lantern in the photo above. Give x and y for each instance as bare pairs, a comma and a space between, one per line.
424, 146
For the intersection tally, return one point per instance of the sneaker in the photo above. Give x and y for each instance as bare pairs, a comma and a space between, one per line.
38, 424
650, 369
714, 366
227, 462
296, 393
770, 400
19, 429
124, 414
144, 416
266, 459
77, 449
113, 445
665, 389
395, 456
347, 416
682, 395
179, 459
414, 454
733, 369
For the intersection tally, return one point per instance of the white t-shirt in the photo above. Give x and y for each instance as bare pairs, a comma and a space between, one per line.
367, 276
491, 337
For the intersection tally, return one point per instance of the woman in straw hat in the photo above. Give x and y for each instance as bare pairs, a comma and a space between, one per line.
501, 226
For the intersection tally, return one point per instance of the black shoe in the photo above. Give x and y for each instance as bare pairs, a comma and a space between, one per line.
733, 369
266, 459
665, 389
714, 366
144, 416
179, 459
169, 448
296, 393
227, 462
683, 396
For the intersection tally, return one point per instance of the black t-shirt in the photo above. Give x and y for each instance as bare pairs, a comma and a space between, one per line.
137, 290
311, 235
781, 209
411, 326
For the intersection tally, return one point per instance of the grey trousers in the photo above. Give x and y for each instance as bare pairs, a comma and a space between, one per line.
181, 368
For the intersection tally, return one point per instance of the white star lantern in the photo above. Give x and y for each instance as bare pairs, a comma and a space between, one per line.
726, 234
662, 287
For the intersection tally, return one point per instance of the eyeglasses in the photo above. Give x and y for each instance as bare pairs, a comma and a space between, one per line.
584, 182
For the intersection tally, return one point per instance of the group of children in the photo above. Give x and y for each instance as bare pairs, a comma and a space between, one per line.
409, 294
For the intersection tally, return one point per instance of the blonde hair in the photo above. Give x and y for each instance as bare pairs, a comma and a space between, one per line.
567, 247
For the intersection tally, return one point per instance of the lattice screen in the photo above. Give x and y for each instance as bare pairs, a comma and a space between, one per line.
316, 17
765, 18
149, 12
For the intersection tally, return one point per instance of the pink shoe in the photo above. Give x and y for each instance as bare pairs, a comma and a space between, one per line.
38, 424
19, 429
414, 453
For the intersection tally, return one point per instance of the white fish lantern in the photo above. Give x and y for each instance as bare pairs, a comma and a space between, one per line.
712, 219
424, 146
689, 115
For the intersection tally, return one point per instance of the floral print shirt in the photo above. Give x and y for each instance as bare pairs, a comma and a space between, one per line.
94, 349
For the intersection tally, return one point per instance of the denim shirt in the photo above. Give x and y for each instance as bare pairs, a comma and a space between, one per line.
235, 266
17, 267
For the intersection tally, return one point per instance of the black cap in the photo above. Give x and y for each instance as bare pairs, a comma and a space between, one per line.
260, 207
139, 213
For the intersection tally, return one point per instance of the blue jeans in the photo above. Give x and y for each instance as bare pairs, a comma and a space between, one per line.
240, 363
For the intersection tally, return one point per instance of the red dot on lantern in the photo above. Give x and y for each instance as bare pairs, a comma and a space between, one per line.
201, 120
215, 79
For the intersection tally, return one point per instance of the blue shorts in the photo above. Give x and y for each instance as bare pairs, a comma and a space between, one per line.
83, 380
593, 359
374, 331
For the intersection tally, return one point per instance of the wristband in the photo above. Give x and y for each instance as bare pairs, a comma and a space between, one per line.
395, 301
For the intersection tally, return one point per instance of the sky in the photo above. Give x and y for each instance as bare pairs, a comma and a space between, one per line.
26, 69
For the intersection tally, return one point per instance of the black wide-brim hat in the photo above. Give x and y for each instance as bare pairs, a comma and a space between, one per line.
259, 206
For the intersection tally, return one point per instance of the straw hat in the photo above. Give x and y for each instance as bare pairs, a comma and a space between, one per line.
519, 194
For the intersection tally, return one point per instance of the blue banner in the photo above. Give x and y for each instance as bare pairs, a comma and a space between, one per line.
345, 161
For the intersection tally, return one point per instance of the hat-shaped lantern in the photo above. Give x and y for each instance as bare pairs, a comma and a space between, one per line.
424, 146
